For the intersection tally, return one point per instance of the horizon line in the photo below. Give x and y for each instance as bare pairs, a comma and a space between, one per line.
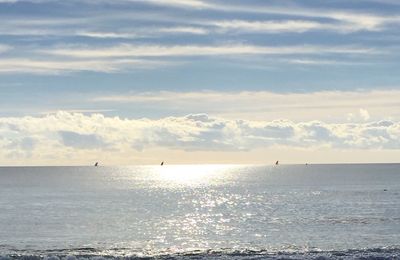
202, 164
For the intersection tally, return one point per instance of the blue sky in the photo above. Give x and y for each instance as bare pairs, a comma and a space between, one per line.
298, 62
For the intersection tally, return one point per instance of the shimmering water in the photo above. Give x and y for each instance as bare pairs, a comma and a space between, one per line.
212, 211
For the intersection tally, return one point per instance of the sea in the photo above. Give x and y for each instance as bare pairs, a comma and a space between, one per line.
337, 211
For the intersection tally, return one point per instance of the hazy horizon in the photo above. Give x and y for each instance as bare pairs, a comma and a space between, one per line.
203, 164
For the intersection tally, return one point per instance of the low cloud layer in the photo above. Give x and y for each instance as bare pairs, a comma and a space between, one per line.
59, 135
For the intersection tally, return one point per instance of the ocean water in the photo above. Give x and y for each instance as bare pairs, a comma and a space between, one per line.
201, 211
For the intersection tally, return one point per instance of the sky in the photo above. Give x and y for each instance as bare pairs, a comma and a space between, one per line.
127, 82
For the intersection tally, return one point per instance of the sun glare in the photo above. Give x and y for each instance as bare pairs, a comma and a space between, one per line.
192, 174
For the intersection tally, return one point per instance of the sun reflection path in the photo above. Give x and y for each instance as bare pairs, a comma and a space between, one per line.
194, 174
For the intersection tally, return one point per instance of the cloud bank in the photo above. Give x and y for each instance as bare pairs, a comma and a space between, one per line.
61, 134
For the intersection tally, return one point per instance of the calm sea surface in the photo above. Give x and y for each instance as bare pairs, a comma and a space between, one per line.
201, 211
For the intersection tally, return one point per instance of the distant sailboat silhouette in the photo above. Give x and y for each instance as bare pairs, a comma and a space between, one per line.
162, 163
277, 162
96, 164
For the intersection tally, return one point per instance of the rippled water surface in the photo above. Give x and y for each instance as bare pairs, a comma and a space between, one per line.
206, 210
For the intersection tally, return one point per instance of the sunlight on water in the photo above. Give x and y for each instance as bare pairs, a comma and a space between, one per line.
192, 174
181, 209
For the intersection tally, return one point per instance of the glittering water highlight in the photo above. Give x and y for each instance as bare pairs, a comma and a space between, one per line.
201, 211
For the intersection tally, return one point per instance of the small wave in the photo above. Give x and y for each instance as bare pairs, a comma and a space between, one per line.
358, 220
93, 254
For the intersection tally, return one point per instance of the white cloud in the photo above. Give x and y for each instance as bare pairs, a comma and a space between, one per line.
51, 66
364, 114
128, 50
351, 20
58, 135
125, 57
318, 62
338, 20
147, 32
183, 29
179, 3
108, 35
346, 23
268, 26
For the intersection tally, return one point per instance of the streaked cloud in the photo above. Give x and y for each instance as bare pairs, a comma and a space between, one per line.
125, 57
346, 24
183, 29
296, 26
338, 20
356, 19
107, 35
333, 62
149, 32
80, 39
341, 20
126, 50
51, 66
178, 3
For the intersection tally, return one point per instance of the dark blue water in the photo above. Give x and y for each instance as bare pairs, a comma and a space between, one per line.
201, 211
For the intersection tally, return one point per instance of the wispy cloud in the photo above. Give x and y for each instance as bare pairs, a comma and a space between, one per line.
143, 33
183, 29
297, 26
319, 62
74, 111
123, 57
346, 21
355, 19
51, 66
107, 35
337, 20
126, 50
109, 43
179, 3
346, 24
352, 21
